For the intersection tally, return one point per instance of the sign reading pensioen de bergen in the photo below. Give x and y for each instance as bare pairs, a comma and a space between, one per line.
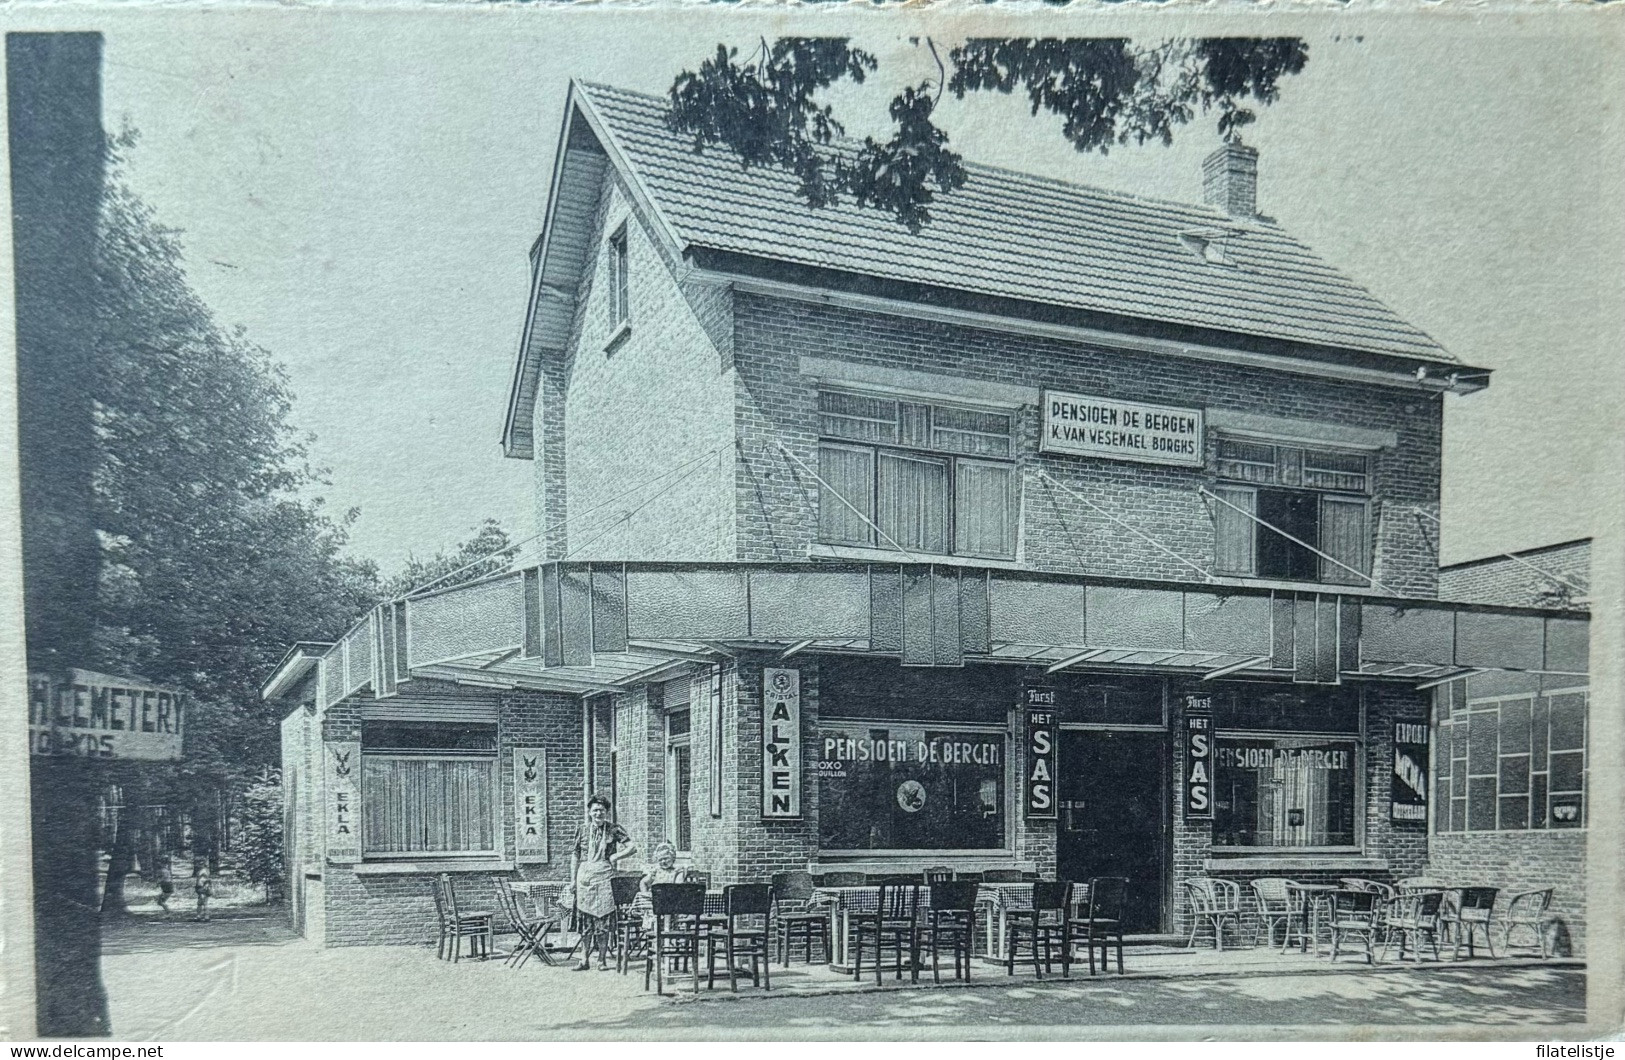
1039, 706
84, 714
1408, 793
341, 776
781, 743
530, 803
1198, 757
1080, 425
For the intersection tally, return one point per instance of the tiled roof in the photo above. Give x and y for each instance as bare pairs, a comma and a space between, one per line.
1016, 236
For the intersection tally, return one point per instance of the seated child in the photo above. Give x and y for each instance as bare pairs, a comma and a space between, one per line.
664, 870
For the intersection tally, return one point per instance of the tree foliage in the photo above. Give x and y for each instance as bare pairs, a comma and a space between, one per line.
1106, 91
213, 561
259, 845
488, 551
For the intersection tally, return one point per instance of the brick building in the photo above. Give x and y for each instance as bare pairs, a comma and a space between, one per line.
1510, 749
1078, 534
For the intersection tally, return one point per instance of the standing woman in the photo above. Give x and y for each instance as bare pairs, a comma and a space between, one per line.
601, 845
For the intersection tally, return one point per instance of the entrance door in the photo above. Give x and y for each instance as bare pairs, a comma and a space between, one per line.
1113, 817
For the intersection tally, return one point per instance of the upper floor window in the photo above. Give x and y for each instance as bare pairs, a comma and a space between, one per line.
1319, 497
620, 311
932, 478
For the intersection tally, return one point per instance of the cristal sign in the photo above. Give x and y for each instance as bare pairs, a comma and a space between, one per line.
781, 743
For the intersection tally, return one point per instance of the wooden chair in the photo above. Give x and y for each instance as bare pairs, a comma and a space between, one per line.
1046, 925
1532, 910
1102, 919
896, 918
524, 927
794, 917
678, 909
628, 925
951, 919
1354, 914
457, 925
1474, 908
1412, 917
1215, 902
744, 933
1278, 903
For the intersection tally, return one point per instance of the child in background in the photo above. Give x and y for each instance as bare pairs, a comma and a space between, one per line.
203, 887
166, 884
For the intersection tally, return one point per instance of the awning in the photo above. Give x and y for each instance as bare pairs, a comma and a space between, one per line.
594, 627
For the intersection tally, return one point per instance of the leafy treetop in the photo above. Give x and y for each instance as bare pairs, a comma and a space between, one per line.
1106, 91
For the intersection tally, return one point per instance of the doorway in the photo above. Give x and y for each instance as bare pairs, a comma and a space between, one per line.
1113, 817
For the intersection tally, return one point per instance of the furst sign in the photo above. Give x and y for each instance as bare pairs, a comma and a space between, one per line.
1198, 757
1080, 425
1039, 706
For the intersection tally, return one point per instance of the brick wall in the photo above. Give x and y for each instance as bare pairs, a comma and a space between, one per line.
617, 414
1517, 862
776, 404
1501, 580
362, 908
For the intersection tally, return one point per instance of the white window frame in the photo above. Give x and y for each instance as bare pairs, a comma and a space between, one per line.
673, 834
620, 279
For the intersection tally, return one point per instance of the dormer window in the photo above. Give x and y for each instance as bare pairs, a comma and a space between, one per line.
1211, 245
620, 309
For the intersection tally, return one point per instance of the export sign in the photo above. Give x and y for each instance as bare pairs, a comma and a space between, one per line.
530, 803
1408, 793
781, 743
1198, 757
1079, 425
85, 714
1039, 706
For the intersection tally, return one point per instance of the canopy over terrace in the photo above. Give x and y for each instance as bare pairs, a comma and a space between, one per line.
592, 627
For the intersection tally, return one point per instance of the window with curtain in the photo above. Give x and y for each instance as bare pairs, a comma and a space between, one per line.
933, 478
1307, 497
1285, 791
429, 790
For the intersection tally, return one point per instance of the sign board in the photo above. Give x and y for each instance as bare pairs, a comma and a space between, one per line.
530, 804
1198, 757
1408, 800
1080, 425
781, 743
1038, 705
85, 714
341, 775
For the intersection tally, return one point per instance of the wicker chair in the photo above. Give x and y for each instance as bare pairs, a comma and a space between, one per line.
1214, 902
1278, 903
1532, 910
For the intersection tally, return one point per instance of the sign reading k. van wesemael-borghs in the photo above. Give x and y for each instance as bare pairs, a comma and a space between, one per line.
1080, 425
84, 714
530, 803
342, 778
781, 742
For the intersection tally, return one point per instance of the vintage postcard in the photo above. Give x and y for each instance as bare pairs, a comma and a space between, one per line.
930, 522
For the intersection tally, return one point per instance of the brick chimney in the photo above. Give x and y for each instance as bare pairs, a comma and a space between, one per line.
1230, 179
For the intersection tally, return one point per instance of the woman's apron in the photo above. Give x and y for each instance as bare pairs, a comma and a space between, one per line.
594, 895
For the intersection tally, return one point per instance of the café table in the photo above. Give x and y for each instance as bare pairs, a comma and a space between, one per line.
995, 903
1317, 904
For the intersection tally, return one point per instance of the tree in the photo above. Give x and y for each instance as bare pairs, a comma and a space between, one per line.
489, 551
1106, 91
259, 838
213, 559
